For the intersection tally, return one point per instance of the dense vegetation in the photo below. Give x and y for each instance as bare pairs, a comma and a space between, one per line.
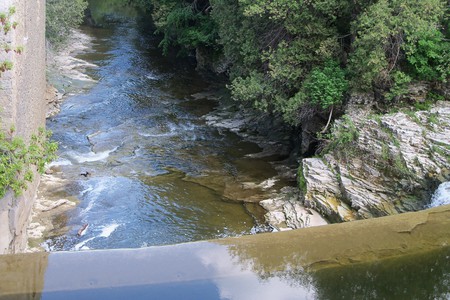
301, 57
61, 17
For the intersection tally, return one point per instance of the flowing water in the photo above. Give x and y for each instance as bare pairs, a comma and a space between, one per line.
157, 173
442, 195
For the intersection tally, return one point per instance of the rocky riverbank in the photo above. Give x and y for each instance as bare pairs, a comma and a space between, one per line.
66, 75
393, 164
279, 144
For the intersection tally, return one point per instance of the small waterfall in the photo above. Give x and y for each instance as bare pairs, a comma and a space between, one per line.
442, 195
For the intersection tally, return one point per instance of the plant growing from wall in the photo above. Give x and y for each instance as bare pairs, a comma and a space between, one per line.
5, 27
342, 135
18, 159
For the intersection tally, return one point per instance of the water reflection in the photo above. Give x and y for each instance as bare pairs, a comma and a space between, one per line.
211, 271
410, 277
22, 276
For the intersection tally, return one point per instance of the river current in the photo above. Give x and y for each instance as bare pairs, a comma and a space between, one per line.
141, 163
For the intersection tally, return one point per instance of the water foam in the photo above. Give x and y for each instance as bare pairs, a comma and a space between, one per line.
81, 245
93, 193
442, 195
106, 232
91, 156
60, 162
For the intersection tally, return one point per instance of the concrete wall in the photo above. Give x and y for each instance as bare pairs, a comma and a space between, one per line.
22, 104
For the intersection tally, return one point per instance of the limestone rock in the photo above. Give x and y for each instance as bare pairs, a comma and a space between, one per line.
323, 191
286, 211
392, 167
53, 99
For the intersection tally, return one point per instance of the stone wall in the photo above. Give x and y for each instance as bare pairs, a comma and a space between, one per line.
22, 105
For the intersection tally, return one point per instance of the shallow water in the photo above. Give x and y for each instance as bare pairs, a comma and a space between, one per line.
157, 173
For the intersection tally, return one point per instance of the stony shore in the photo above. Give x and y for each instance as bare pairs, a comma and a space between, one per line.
393, 166
65, 77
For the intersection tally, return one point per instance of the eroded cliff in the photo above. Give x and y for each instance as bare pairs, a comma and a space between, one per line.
393, 164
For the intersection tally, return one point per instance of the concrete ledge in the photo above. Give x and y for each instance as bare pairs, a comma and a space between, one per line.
247, 258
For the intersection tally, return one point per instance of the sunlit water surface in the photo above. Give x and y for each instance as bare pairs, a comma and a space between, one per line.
157, 173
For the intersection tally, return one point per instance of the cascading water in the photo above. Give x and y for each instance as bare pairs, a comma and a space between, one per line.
442, 195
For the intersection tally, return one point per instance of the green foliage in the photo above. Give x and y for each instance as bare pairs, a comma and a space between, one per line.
399, 86
62, 17
286, 52
184, 24
326, 86
5, 66
397, 35
433, 118
18, 160
430, 57
425, 105
433, 96
5, 27
301, 181
342, 134
289, 56
252, 88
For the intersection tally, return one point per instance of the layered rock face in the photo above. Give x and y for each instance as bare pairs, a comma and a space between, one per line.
392, 166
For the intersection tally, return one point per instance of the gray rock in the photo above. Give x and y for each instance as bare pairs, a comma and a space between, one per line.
389, 169
286, 211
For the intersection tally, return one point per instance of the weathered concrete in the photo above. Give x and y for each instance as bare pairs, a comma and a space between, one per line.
250, 263
22, 105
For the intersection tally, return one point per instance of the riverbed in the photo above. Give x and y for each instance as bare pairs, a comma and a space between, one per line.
138, 163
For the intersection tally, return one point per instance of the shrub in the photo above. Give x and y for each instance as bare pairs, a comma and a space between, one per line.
326, 86
17, 159
62, 17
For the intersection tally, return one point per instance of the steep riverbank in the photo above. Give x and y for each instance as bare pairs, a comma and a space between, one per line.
67, 76
392, 164
176, 138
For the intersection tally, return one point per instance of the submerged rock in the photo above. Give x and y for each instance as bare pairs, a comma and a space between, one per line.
392, 166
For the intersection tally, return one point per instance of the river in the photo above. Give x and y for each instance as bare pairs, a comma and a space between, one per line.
154, 172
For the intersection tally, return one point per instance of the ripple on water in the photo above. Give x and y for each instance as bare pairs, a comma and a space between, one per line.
91, 156
159, 174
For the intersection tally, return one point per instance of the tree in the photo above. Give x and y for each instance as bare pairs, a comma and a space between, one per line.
62, 17
395, 39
